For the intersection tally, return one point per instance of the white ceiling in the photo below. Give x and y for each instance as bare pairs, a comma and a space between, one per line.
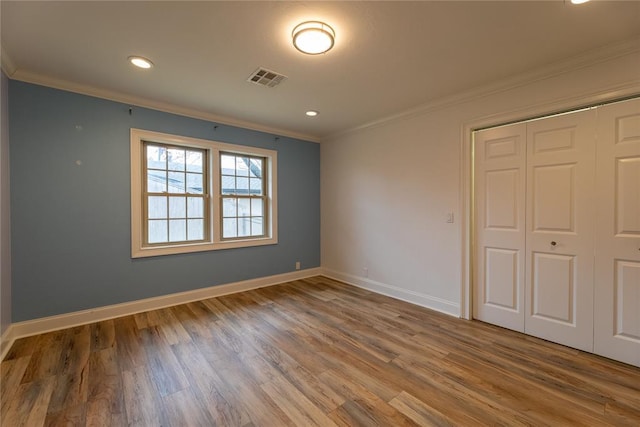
388, 56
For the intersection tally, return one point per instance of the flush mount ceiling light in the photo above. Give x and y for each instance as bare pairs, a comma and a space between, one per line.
579, 1
313, 37
140, 62
312, 113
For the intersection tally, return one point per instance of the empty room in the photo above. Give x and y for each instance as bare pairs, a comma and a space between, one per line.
274, 213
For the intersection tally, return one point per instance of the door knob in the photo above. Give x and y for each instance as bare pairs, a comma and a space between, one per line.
553, 243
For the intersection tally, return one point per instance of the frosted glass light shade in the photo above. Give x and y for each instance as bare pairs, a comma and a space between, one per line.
313, 37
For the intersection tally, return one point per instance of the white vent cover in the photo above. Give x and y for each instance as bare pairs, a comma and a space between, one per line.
264, 77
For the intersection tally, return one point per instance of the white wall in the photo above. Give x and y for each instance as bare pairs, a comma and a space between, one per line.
386, 188
5, 225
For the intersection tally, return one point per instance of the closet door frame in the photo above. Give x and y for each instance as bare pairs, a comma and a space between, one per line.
577, 102
604, 348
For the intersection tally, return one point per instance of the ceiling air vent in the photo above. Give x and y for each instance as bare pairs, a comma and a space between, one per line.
268, 78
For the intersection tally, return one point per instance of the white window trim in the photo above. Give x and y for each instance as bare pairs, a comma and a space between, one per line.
138, 250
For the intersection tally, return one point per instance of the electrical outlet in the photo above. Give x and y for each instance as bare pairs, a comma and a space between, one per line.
297, 265
365, 271
450, 217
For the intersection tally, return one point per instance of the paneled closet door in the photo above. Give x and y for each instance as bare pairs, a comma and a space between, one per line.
617, 275
560, 229
499, 156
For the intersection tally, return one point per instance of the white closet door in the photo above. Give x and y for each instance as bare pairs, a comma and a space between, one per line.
560, 229
617, 287
499, 155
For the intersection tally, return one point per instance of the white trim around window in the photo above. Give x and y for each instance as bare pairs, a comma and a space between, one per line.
213, 238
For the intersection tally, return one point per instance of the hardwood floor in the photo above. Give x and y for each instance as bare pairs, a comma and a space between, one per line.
305, 353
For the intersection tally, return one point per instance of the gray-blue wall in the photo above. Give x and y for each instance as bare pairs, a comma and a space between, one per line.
70, 223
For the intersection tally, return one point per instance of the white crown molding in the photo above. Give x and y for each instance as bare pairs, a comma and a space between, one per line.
77, 318
6, 63
423, 300
574, 63
56, 83
588, 99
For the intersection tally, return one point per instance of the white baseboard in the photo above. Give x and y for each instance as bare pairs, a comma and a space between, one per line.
77, 318
6, 341
433, 303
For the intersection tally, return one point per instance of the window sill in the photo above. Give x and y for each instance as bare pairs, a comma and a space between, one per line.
137, 252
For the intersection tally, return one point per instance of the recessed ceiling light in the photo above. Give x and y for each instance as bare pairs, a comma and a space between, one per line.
140, 62
312, 113
579, 1
313, 37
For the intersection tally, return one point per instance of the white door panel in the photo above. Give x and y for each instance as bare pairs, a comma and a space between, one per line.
553, 198
501, 279
617, 272
559, 238
553, 275
627, 300
627, 197
499, 155
501, 204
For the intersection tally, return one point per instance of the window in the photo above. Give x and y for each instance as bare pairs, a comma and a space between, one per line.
175, 197
191, 195
243, 195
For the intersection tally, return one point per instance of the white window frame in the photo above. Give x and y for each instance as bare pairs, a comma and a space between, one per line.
237, 197
214, 239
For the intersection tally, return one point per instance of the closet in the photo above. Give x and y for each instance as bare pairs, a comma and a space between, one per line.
557, 229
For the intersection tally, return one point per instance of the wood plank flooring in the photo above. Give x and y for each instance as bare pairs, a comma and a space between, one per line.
312, 352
